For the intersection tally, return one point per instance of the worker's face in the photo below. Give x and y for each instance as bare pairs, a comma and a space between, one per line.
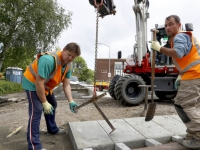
67, 57
171, 27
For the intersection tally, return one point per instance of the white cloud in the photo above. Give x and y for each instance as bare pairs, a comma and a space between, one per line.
118, 31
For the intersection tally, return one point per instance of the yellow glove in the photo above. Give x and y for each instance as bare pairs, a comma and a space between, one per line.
48, 108
155, 45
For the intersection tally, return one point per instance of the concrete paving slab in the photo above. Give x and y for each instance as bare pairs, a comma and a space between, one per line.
133, 132
172, 125
89, 134
176, 117
150, 130
123, 133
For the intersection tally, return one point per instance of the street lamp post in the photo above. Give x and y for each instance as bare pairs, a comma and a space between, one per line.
109, 75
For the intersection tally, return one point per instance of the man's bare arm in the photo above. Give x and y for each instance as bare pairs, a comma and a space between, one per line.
67, 89
169, 52
40, 89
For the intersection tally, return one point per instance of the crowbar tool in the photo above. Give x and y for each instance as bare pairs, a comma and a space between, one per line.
93, 100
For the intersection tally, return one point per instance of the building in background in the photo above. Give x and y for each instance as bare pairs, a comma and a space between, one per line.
102, 70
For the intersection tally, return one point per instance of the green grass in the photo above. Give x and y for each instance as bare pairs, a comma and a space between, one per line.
7, 87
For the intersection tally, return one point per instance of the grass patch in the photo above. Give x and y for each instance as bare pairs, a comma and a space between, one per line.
7, 87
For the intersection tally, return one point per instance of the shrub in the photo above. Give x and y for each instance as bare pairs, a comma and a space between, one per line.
7, 87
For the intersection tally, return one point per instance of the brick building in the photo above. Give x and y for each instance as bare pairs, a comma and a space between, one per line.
102, 70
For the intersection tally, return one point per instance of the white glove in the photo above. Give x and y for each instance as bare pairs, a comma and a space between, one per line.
48, 108
155, 45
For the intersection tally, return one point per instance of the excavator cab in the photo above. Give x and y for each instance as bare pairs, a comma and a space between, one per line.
104, 7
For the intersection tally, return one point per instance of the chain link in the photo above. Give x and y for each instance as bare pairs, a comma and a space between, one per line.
96, 49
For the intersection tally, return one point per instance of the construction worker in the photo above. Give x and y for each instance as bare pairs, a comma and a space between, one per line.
186, 57
40, 78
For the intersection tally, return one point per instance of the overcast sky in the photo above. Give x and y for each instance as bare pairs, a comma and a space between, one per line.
118, 31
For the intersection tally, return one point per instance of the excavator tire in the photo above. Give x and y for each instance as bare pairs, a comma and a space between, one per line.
111, 90
127, 90
112, 86
100, 88
166, 95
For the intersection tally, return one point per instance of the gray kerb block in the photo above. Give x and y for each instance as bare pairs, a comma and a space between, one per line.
178, 139
121, 146
152, 142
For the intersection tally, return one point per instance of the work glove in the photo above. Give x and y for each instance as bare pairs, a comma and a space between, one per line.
72, 105
48, 108
177, 82
155, 45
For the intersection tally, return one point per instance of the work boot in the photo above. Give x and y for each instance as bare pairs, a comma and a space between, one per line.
60, 132
193, 144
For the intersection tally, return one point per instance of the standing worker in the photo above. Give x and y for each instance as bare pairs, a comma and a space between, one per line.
185, 52
40, 77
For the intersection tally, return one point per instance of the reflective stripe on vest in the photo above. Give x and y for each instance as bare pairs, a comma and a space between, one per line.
189, 65
58, 62
56, 76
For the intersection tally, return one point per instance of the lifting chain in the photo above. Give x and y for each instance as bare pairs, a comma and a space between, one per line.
96, 49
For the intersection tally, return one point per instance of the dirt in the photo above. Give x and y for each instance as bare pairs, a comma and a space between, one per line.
14, 115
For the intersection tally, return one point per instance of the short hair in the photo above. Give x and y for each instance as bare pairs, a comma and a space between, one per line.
176, 18
73, 47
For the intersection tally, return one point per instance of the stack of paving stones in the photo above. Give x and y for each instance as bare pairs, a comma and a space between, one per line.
78, 91
163, 132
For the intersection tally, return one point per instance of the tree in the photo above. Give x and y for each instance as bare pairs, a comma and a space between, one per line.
14, 58
87, 75
81, 70
34, 25
79, 65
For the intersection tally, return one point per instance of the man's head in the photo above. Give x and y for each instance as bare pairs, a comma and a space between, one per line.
172, 25
70, 51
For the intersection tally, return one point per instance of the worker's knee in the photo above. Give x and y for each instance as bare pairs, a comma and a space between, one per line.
184, 117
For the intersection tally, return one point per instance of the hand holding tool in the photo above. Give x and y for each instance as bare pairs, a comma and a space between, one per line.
72, 105
155, 46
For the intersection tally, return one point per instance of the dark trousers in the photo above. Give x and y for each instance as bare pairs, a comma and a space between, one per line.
35, 111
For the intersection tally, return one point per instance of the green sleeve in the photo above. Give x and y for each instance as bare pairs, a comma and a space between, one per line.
68, 74
46, 64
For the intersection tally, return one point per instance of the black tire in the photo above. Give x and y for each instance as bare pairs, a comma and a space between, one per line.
127, 90
111, 89
166, 95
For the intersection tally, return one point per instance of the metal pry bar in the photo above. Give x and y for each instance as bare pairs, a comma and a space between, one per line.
93, 100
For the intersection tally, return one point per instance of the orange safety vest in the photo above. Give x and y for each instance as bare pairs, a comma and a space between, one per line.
189, 65
56, 76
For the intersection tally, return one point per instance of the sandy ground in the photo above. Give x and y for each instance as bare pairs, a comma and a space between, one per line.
15, 115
